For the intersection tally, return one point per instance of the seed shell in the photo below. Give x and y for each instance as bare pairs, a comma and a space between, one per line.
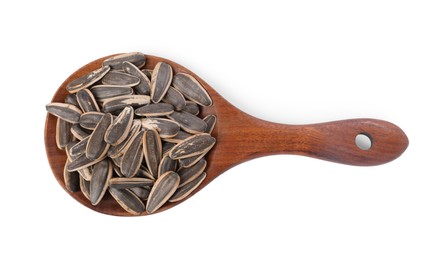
175, 98
101, 92
194, 145
192, 108
210, 121
152, 150
156, 109
118, 103
101, 175
147, 72
141, 192
89, 120
87, 80
81, 163
86, 100
143, 172
67, 112
162, 190
178, 138
79, 132
188, 122
191, 161
120, 79
143, 87
128, 200
191, 89
85, 188
116, 62
72, 99
133, 157
63, 133
71, 179
86, 173
79, 148
166, 147
189, 174
119, 129
120, 149
125, 183
161, 78
96, 146
167, 164
165, 127
184, 191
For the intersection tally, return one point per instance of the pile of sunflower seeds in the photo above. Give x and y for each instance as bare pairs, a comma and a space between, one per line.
135, 133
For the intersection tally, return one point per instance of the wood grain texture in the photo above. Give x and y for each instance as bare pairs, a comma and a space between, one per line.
241, 137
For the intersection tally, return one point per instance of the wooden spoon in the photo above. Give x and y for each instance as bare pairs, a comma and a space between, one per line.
241, 137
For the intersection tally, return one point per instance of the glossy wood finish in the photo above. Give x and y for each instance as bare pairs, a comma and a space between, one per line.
241, 137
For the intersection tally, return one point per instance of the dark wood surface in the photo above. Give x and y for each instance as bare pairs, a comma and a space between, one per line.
241, 137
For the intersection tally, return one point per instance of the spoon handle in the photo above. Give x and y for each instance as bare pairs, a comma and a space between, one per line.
331, 141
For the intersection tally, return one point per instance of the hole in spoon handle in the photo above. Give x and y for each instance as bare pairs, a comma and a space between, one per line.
356, 141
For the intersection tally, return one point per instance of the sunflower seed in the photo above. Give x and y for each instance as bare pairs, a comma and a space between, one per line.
191, 161
67, 112
191, 89
117, 160
109, 91
184, 191
143, 87
117, 170
175, 98
166, 148
192, 107
178, 138
161, 78
147, 72
141, 192
71, 179
167, 164
79, 148
87, 101
158, 109
116, 62
72, 99
121, 102
162, 190
189, 174
119, 129
143, 172
79, 133
101, 175
67, 148
63, 133
85, 188
89, 120
165, 127
152, 150
96, 146
120, 149
120, 79
87, 80
133, 157
86, 173
210, 121
125, 183
188, 122
128, 200
81, 163
194, 145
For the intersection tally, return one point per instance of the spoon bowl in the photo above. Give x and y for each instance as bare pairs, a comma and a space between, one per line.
241, 137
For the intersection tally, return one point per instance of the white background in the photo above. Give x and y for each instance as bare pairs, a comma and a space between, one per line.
292, 63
